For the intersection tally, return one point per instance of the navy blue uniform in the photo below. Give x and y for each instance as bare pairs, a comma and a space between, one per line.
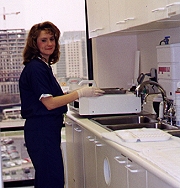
42, 127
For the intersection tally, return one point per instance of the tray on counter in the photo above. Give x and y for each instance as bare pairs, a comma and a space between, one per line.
143, 135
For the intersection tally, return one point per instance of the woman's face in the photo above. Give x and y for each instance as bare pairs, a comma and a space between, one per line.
46, 44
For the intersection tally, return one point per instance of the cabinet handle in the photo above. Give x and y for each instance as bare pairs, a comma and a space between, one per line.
128, 167
127, 19
68, 123
77, 130
96, 141
159, 9
99, 144
97, 29
172, 4
120, 160
121, 22
90, 138
131, 170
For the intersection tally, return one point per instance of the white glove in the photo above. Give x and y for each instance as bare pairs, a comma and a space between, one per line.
89, 92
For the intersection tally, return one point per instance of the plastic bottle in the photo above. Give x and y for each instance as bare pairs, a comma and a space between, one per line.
165, 40
177, 103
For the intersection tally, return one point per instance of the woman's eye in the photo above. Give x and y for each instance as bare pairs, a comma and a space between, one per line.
43, 40
52, 39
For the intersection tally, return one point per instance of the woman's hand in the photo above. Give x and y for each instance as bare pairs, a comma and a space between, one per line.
89, 92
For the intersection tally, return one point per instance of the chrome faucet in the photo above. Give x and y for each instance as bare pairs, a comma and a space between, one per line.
141, 86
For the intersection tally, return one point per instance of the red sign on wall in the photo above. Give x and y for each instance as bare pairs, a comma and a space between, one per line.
162, 70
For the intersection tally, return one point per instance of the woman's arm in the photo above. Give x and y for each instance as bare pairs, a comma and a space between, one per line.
54, 102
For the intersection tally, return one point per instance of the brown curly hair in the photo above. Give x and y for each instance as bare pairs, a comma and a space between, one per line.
32, 51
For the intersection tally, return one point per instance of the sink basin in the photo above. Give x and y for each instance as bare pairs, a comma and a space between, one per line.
113, 123
141, 125
132, 119
174, 133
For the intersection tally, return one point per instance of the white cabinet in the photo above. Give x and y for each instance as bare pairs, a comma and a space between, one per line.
157, 10
69, 153
105, 16
136, 175
154, 182
119, 163
108, 16
98, 17
103, 165
135, 14
117, 15
93, 163
163, 9
78, 156
173, 7
115, 169
75, 157
89, 160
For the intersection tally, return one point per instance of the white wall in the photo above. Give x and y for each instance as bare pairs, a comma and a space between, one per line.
114, 56
147, 45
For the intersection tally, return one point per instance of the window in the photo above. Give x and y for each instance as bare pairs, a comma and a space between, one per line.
18, 17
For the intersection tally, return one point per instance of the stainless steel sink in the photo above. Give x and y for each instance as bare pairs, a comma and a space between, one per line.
141, 125
113, 123
174, 133
131, 119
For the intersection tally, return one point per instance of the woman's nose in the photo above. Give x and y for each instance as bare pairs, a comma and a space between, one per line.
49, 42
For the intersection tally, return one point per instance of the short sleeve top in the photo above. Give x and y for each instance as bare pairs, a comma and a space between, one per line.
37, 79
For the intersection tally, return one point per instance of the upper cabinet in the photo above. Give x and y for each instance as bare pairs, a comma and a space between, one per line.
156, 10
124, 14
173, 7
98, 17
108, 16
136, 13
117, 15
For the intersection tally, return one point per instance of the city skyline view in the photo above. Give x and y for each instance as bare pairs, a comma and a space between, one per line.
73, 59
72, 63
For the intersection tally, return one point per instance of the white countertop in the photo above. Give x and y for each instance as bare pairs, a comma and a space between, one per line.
143, 157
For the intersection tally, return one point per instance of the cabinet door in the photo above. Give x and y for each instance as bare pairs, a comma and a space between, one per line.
117, 15
135, 14
69, 152
136, 175
98, 17
119, 170
154, 182
111, 171
156, 10
89, 160
78, 156
103, 161
173, 7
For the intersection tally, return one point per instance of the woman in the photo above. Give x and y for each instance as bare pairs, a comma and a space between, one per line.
43, 104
